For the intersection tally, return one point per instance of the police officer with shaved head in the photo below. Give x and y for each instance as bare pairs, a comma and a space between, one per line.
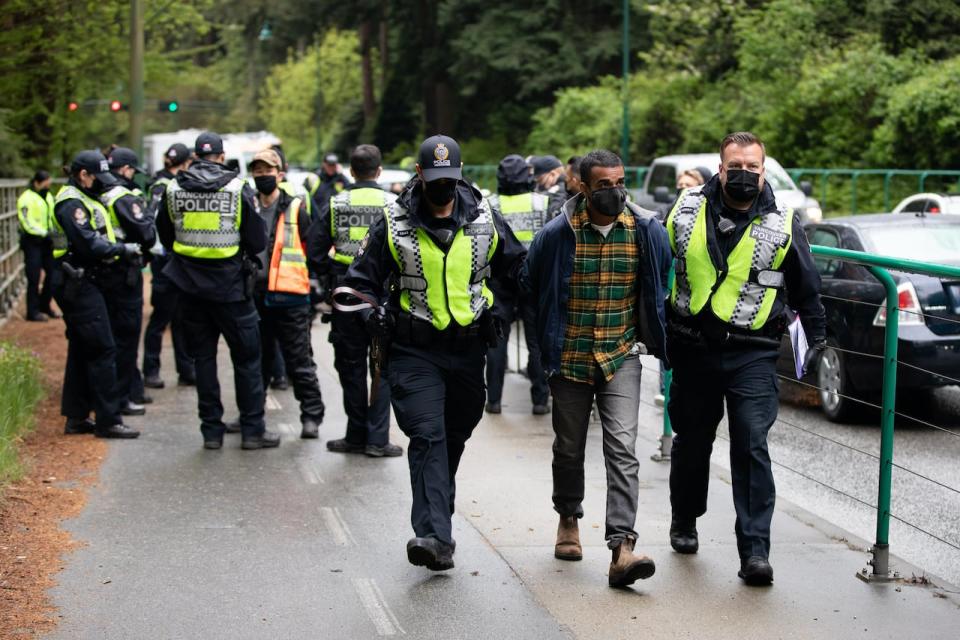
89, 252
438, 246
209, 219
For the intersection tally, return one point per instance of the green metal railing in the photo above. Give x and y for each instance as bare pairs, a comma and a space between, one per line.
880, 267
824, 175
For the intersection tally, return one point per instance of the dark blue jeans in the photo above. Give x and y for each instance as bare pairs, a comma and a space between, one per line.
437, 396
747, 381
497, 361
204, 322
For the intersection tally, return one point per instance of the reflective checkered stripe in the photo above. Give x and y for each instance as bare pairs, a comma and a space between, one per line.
96, 212
206, 224
351, 215
439, 287
526, 213
109, 199
745, 294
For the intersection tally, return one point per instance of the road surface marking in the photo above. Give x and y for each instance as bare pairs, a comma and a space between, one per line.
377, 608
339, 531
271, 403
309, 474
287, 427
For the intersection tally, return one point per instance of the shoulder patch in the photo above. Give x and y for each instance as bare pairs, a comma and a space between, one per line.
80, 216
137, 211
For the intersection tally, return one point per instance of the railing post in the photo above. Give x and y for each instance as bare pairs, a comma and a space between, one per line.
853, 192
886, 190
881, 549
823, 188
666, 438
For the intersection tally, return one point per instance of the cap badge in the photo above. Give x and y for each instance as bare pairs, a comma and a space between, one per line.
441, 155
206, 147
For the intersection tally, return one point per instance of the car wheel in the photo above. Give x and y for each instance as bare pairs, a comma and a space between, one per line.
833, 382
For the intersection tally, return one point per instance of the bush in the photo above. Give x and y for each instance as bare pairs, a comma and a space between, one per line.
20, 391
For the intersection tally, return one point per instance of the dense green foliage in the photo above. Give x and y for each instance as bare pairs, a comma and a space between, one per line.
825, 82
20, 391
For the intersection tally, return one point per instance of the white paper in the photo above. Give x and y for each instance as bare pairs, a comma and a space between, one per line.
798, 338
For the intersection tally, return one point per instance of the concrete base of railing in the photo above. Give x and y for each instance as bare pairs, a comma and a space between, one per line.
881, 566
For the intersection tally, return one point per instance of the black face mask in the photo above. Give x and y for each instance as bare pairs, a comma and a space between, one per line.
742, 185
609, 202
265, 184
97, 186
440, 193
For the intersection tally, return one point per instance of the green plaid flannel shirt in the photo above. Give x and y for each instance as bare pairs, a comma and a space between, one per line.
601, 307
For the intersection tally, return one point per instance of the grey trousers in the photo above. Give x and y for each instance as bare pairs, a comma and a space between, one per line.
619, 404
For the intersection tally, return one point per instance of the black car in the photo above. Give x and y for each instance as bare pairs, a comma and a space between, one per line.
929, 318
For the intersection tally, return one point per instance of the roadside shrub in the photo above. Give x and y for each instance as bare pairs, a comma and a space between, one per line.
20, 391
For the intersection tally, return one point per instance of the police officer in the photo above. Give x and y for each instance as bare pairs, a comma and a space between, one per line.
741, 258
132, 224
163, 294
332, 181
86, 245
34, 212
342, 223
210, 221
283, 289
526, 213
439, 243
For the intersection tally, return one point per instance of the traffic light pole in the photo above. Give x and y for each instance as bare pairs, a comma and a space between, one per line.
136, 77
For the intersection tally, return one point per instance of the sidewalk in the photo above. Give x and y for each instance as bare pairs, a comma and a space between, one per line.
301, 543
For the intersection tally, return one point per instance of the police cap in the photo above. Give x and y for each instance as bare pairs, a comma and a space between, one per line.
93, 162
122, 156
208, 144
439, 158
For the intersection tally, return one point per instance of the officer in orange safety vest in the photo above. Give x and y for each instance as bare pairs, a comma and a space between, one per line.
282, 290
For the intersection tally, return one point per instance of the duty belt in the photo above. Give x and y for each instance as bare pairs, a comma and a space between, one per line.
416, 332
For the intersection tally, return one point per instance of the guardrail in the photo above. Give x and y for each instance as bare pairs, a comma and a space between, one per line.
12, 277
880, 267
824, 175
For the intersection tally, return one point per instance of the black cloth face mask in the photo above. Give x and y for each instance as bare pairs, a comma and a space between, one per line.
609, 201
265, 184
440, 192
742, 185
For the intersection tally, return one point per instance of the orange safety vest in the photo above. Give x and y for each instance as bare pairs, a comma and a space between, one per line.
288, 264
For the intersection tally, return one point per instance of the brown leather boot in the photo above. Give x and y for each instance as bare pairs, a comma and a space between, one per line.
626, 567
568, 540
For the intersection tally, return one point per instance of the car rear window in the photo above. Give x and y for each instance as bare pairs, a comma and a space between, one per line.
929, 243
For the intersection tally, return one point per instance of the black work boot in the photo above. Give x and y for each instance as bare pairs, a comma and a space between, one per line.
683, 535
342, 445
430, 553
756, 571
232, 427
309, 429
77, 426
153, 381
388, 450
266, 440
120, 431
132, 409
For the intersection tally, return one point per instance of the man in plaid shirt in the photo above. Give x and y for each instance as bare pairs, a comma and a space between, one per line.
597, 275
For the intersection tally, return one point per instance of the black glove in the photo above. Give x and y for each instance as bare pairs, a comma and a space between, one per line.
380, 324
131, 252
812, 359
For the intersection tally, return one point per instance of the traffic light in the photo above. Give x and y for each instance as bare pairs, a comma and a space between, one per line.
72, 106
170, 106
116, 105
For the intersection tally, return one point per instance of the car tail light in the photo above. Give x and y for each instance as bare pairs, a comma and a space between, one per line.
910, 312
934, 210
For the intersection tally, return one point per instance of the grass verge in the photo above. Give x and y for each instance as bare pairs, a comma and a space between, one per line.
21, 388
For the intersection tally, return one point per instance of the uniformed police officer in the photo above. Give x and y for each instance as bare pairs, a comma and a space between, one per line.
132, 224
34, 212
439, 243
526, 213
164, 298
741, 257
209, 219
86, 245
332, 181
342, 224
283, 289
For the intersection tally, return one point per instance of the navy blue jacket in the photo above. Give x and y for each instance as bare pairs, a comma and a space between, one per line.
549, 266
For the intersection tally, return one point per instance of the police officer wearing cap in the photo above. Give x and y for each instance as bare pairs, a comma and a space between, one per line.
332, 181
341, 224
438, 245
164, 297
132, 224
283, 289
526, 213
741, 258
34, 213
209, 219
86, 246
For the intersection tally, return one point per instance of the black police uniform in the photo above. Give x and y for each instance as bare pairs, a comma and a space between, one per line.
330, 185
124, 283
711, 370
80, 289
286, 327
436, 377
367, 424
37, 258
164, 300
216, 301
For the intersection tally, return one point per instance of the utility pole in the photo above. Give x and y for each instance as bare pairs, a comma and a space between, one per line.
136, 77
625, 130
